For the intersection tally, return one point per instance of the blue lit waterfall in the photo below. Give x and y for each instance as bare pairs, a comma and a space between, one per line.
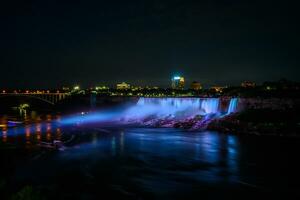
175, 108
172, 112
160, 109
232, 105
159, 112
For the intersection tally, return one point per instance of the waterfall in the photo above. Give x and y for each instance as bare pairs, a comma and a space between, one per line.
152, 111
232, 105
173, 107
210, 106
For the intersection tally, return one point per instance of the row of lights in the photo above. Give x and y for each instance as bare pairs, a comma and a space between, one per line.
31, 92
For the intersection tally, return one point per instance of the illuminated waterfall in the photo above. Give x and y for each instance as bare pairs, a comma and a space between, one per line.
232, 105
153, 110
173, 107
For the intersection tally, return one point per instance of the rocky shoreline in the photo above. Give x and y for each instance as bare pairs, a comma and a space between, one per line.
261, 122
232, 125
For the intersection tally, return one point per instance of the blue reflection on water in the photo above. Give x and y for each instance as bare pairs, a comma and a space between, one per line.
166, 154
156, 159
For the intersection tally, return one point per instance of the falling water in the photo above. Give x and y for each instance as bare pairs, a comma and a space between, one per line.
232, 105
152, 110
173, 107
210, 106
147, 109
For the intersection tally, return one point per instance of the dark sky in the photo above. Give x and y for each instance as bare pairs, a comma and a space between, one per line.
51, 43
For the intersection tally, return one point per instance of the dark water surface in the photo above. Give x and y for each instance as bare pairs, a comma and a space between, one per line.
149, 163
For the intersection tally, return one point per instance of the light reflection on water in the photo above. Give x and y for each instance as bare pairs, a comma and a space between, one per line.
206, 156
4, 135
155, 160
31, 133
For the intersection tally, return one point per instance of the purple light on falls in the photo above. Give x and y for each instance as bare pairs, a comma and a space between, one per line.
172, 108
157, 109
150, 111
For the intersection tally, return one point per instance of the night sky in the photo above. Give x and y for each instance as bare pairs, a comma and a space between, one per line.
52, 43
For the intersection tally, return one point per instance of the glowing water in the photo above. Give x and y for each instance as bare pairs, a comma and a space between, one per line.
149, 111
172, 108
232, 105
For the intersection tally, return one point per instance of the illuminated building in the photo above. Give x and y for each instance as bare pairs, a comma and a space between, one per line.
101, 88
136, 88
66, 88
196, 85
217, 88
178, 82
76, 88
248, 84
123, 86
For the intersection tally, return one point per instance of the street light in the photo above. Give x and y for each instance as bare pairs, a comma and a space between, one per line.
76, 87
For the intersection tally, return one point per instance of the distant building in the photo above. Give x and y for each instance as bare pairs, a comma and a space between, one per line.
178, 82
282, 84
102, 88
196, 85
66, 88
123, 86
77, 87
217, 88
248, 84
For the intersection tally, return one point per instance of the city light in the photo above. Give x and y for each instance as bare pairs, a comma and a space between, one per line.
178, 82
123, 86
76, 87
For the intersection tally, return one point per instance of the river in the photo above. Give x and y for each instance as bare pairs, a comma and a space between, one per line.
147, 163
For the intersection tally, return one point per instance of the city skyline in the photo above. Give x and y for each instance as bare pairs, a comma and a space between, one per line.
185, 85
